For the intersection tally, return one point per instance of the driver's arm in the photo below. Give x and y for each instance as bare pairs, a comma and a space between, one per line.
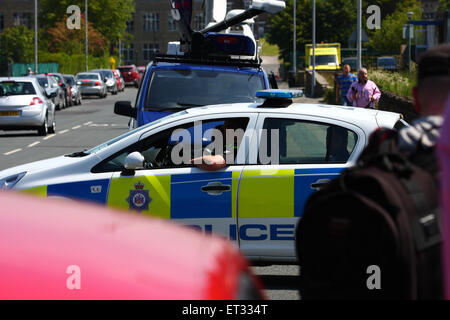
210, 162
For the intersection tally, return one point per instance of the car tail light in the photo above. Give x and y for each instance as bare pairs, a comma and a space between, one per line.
35, 100
97, 83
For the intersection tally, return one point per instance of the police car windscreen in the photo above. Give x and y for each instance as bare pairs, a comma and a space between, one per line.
186, 88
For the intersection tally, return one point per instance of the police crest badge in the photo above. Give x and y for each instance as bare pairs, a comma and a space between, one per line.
139, 199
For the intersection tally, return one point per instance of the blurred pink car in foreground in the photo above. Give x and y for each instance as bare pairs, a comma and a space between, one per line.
62, 249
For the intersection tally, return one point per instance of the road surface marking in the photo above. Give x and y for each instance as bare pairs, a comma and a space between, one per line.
64, 131
87, 123
76, 127
99, 125
33, 144
11, 152
48, 137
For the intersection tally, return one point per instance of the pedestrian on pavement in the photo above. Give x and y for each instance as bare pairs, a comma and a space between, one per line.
363, 93
343, 83
29, 72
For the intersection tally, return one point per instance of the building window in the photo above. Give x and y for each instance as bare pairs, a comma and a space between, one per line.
171, 24
128, 52
22, 19
150, 50
199, 21
130, 26
151, 22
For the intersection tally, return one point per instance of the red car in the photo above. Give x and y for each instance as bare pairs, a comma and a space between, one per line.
131, 75
119, 80
59, 249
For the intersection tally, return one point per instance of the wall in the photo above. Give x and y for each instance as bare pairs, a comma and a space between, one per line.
391, 102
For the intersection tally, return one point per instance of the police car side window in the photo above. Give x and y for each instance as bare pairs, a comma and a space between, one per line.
306, 142
190, 140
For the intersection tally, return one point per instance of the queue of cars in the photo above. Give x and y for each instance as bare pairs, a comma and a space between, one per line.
29, 103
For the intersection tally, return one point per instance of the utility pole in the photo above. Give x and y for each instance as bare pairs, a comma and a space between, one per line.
358, 34
86, 22
35, 38
313, 80
410, 14
294, 56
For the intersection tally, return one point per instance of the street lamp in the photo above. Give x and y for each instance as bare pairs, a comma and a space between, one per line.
313, 78
410, 14
35, 38
86, 28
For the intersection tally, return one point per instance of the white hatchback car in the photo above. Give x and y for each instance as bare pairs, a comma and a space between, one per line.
24, 105
284, 152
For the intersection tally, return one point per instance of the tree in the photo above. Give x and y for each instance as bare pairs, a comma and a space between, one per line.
334, 21
108, 17
17, 44
390, 37
72, 41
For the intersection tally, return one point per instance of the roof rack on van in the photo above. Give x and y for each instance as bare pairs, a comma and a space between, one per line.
209, 60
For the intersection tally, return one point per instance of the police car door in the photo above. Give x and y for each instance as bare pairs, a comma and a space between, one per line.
166, 188
289, 160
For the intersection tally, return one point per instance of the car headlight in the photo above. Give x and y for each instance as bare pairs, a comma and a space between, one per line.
10, 182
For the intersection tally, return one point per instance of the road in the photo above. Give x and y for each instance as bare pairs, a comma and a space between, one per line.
92, 123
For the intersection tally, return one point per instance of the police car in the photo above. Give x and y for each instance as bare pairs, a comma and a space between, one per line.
282, 152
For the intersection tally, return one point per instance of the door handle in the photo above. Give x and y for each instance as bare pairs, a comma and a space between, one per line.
216, 188
319, 184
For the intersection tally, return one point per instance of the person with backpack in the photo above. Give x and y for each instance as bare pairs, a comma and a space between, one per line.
443, 147
375, 231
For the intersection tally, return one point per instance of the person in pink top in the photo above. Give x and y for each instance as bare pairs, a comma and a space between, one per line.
443, 150
363, 93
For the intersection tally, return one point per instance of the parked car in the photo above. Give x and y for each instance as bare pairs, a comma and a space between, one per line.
24, 105
130, 75
56, 249
50, 85
255, 200
351, 61
109, 79
387, 63
74, 88
62, 82
91, 83
119, 80
141, 69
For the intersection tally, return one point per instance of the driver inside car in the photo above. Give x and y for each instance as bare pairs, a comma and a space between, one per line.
212, 161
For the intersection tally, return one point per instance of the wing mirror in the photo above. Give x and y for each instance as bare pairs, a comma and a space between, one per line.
124, 108
133, 161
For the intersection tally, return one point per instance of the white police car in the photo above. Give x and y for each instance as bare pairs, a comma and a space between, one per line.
280, 153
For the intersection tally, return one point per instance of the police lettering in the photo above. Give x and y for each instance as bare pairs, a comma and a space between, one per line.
254, 232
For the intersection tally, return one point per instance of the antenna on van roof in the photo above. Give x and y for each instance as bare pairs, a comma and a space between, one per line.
181, 11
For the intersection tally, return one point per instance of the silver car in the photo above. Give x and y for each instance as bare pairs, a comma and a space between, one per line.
24, 105
91, 83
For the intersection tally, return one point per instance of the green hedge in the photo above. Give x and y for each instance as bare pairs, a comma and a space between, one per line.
75, 63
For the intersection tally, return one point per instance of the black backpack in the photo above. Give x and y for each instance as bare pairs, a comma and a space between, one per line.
373, 232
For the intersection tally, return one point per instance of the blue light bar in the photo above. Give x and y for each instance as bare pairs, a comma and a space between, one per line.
279, 94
